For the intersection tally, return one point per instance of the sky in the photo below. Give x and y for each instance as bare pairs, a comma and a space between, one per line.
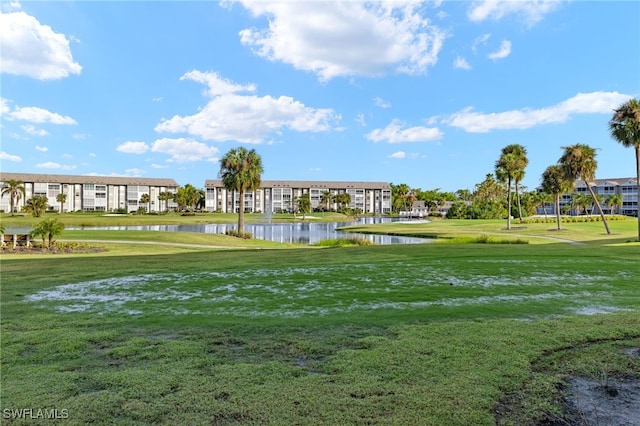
421, 93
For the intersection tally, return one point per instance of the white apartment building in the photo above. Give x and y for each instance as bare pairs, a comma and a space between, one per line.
275, 196
91, 193
626, 188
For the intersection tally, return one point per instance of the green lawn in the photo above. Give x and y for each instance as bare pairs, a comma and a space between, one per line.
455, 334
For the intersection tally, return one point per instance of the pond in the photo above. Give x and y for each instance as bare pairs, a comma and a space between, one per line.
298, 232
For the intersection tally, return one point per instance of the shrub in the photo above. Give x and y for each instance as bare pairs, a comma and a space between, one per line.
237, 234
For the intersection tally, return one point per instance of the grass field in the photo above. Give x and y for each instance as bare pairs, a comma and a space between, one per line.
432, 334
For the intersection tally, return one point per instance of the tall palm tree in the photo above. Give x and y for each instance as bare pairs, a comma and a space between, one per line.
625, 128
15, 190
579, 162
521, 152
240, 170
555, 182
510, 168
61, 198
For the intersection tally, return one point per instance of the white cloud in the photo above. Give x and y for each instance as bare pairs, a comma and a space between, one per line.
42, 148
529, 11
52, 165
32, 49
379, 102
398, 154
135, 172
334, 39
582, 103
33, 131
157, 99
230, 116
4, 106
38, 115
395, 133
503, 52
461, 63
8, 6
479, 41
80, 136
9, 157
159, 166
133, 148
184, 150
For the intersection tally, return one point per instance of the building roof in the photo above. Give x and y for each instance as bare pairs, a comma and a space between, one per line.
80, 179
217, 183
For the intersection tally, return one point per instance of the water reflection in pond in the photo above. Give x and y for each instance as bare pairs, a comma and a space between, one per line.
299, 232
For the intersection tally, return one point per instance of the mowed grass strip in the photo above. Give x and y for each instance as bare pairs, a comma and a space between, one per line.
623, 231
426, 334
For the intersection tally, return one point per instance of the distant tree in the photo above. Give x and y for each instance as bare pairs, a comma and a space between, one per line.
399, 196
240, 170
48, 229
327, 199
464, 194
15, 190
61, 198
555, 182
304, 204
625, 128
165, 196
343, 199
458, 210
579, 162
488, 199
581, 202
543, 198
37, 205
510, 168
613, 201
146, 199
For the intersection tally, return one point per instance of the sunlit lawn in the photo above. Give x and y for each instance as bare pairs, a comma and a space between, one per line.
427, 334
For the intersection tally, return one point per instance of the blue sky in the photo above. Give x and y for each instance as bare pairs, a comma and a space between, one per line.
422, 93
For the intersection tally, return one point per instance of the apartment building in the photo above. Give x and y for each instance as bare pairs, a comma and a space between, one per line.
626, 188
91, 193
280, 195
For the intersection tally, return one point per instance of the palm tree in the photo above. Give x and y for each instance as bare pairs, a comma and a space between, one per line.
579, 162
47, 229
37, 205
581, 202
240, 170
327, 199
510, 168
344, 199
61, 198
554, 182
542, 198
15, 190
165, 196
625, 128
614, 201
145, 199
304, 204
